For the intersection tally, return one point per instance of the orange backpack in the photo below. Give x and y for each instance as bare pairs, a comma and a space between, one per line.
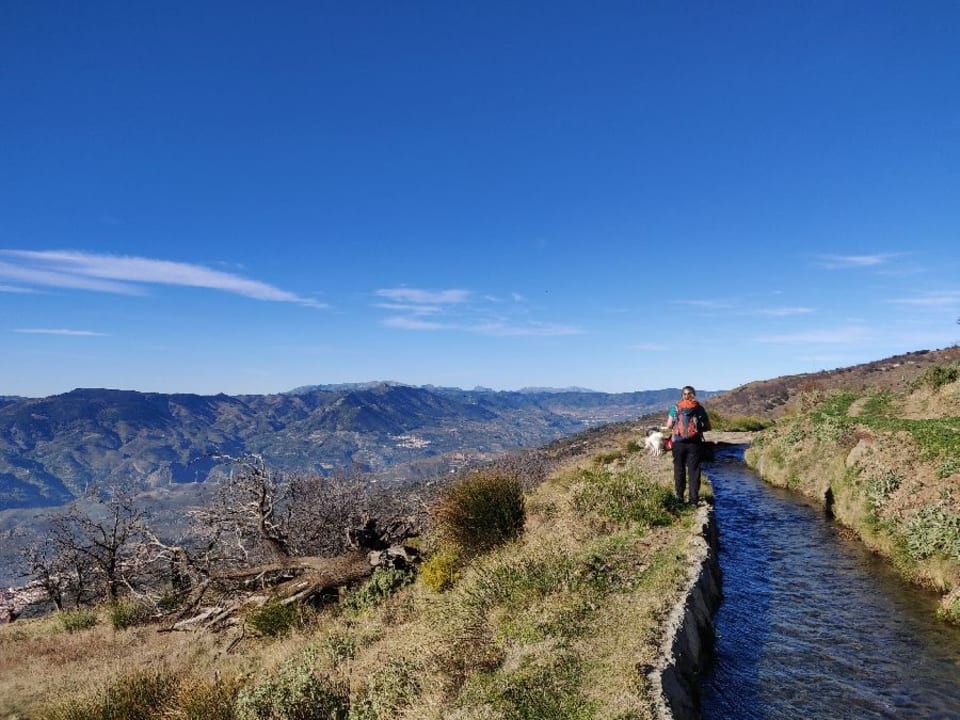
689, 421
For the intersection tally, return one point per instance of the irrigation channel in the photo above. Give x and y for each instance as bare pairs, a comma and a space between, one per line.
811, 625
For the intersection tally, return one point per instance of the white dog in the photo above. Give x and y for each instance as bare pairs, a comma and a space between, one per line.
654, 442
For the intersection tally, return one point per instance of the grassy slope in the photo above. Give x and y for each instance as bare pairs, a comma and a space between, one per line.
887, 463
555, 624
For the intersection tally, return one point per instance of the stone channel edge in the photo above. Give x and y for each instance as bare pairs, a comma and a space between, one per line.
689, 632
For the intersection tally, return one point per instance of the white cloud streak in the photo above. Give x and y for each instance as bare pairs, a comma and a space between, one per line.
460, 311
706, 304
949, 298
531, 330
425, 297
784, 312
126, 275
404, 322
60, 331
17, 289
848, 334
844, 262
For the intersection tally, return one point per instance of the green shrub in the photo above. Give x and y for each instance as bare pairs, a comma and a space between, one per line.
937, 376
737, 423
128, 613
140, 696
880, 487
793, 433
480, 511
948, 467
442, 569
625, 497
949, 610
295, 692
832, 429
608, 457
171, 599
381, 585
77, 620
339, 646
536, 688
517, 580
391, 689
878, 405
273, 619
934, 531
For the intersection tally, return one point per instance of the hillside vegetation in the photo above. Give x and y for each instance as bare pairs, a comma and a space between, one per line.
533, 602
884, 459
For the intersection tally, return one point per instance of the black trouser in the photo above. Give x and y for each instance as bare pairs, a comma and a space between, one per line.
687, 456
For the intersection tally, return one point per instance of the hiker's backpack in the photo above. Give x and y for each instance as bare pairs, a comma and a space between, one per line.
689, 422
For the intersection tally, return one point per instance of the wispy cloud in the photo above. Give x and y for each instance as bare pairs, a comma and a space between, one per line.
404, 322
129, 275
425, 297
60, 331
827, 336
706, 304
844, 262
16, 289
533, 329
409, 308
948, 298
464, 311
783, 312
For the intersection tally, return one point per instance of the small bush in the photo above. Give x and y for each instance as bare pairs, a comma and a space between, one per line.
934, 531
170, 599
381, 585
392, 688
948, 467
442, 569
77, 620
128, 613
139, 696
206, 701
625, 497
949, 610
606, 458
737, 423
937, 376
519, 580
296, 692
880, 487
549, 688
339, 646
273, 619
480, 511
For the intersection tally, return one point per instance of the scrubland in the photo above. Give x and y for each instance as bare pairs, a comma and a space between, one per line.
550, 605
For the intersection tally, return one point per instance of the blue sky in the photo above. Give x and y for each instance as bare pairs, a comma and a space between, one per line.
247, 197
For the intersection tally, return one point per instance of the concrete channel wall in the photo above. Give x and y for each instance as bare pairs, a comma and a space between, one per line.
689, 636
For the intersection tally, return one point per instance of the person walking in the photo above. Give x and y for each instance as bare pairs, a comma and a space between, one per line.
687, 422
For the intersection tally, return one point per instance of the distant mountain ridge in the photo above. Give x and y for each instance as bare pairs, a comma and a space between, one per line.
52, 449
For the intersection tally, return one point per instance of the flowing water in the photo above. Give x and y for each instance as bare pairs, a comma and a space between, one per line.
813, 626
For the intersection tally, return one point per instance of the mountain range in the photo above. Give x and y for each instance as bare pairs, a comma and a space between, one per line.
53, 449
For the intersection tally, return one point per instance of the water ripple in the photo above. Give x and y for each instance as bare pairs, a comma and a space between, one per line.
811, 625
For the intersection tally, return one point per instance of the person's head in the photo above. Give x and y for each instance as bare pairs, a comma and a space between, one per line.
688, 392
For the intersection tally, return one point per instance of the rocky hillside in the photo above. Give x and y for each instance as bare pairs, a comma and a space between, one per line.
770, 399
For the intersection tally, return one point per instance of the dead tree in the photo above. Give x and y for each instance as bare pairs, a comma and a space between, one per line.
88, 547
